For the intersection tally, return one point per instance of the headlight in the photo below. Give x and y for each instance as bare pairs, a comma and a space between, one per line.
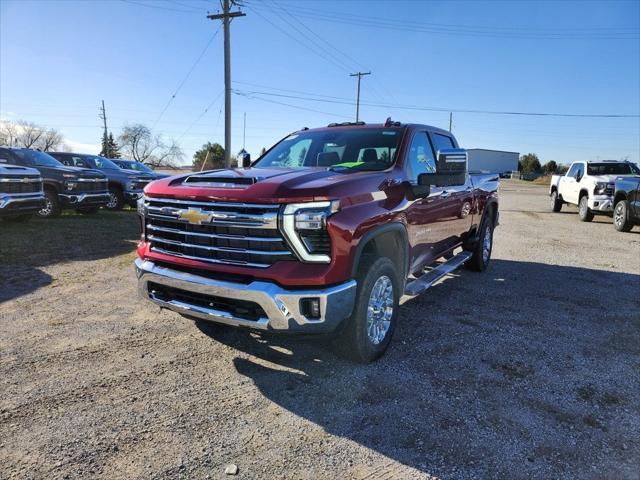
601, 188
140, 206
70, 185
304, 225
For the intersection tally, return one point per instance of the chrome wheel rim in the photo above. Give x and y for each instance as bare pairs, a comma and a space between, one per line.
583, 207
47, 209
618, 218
486, 244
113, 200
380, 310
553, 199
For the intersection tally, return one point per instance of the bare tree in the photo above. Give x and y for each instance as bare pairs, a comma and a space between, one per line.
138, 143
29, 135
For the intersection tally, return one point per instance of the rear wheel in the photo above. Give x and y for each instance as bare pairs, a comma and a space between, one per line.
51, 205
369, 329
556, 203
621, 219
584, 212
116, 199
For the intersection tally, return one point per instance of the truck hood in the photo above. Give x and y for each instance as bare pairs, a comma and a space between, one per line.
268, 185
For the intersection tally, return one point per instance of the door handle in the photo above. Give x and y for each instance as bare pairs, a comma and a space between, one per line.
445, 194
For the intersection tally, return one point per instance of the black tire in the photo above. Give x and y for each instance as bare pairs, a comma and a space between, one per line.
621, 219
88, 210
116, 200
556, 203
585, 214
52, 205
18, 218
356, 340
481, 251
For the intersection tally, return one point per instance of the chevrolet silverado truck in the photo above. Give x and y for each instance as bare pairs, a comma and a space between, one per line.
138, 167
589, 185
125, 186
322, 234
626, 203
21, 193
64, 187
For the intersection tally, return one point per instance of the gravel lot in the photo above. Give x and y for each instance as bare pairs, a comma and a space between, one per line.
530, 370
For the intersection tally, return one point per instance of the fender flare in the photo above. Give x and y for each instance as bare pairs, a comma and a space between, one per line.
374, 232
54, 185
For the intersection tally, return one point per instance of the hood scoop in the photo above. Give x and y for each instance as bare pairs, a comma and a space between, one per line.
220, 181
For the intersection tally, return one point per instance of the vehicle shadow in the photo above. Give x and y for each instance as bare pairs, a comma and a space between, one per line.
25, 248
506, 374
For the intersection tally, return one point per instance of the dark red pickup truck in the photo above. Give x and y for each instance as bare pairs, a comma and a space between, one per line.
322, 234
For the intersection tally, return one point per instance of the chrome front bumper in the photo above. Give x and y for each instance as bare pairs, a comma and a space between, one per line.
601, 203
84, 198
7, 199
282, 307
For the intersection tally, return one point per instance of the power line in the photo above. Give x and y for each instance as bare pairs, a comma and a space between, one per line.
623, 33
455, 110
157, 7
204, 112
184, 80
249, 96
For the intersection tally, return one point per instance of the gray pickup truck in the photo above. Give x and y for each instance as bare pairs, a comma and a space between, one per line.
21, 193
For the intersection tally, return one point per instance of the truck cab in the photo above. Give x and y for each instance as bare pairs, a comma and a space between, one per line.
322, 234
589, 185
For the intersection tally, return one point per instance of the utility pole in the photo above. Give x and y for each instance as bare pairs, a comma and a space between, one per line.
103, 117
244, 131
450, 120
226, 17
359, 75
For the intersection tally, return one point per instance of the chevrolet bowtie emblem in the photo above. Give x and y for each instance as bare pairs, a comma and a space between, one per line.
26, 180
195, 216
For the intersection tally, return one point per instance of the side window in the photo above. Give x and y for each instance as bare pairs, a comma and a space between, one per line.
420, 158
5, 157
441, 142
77, 162
572, 171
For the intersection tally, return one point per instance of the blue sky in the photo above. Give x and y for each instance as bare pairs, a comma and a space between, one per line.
59, 59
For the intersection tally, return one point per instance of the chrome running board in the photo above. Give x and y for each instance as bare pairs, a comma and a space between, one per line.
427, 280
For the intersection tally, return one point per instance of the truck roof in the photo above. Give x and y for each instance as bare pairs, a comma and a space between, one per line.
388, 124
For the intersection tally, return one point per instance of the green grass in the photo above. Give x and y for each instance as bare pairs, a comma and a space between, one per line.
70, 237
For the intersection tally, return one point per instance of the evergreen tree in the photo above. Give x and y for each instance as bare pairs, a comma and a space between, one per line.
110, 148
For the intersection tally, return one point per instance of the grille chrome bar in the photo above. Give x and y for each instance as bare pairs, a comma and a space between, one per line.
218, 249
222, 217
151, 226
21, 180
210, 260
260, 206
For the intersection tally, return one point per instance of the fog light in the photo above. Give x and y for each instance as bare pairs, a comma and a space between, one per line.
310, 307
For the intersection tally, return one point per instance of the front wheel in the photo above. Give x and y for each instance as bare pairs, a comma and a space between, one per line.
556, 203
51, 205
116, 199
584, 212
369, 329
621, 219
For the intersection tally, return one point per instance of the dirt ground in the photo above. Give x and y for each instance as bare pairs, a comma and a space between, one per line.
529, 370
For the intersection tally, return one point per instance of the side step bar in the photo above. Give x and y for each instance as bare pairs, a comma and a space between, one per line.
427, 280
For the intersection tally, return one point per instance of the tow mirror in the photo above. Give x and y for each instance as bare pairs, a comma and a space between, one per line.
451, 169
246, 160
578, 177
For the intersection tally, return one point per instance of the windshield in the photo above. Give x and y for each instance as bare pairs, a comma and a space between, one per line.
40, 159
133, 165
612, 168
100, 162
340, 149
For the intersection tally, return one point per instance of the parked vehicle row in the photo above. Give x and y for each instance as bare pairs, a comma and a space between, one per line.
323, 234
66, 181
599, 188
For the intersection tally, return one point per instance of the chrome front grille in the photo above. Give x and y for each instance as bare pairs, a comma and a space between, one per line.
86, 185
216, 232
26, 184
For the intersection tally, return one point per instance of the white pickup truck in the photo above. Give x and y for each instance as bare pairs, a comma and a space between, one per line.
589, 185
